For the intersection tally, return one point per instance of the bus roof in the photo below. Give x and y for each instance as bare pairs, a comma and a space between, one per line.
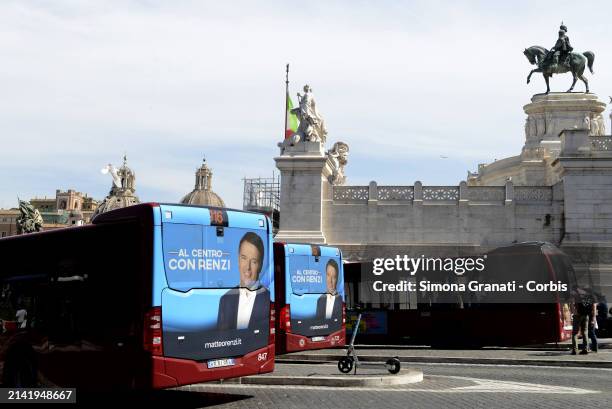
311, 249
187, 214
528, 247
180, 214
45, 233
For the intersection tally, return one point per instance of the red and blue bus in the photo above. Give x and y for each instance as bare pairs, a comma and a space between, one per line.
151, 295
309, 297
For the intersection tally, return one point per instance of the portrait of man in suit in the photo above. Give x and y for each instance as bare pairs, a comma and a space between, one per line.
329, 305
248, 305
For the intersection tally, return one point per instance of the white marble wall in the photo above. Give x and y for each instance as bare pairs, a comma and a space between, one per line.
449, 215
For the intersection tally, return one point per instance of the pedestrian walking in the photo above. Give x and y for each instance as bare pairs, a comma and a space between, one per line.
592, 321
580, 322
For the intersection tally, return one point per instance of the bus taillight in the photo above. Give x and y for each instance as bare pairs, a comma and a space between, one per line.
153, 332
343, 316
272, 324
285, 319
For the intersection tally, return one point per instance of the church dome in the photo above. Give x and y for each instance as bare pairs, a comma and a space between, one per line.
203, 195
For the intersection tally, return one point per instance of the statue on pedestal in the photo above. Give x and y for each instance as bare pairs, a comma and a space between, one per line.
122, 190
113, 172
311, 127
559, 60
30, 220
339, 155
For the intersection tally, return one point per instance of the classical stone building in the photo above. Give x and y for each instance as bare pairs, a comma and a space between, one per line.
8, 222
203, 194
62, 209
558, 190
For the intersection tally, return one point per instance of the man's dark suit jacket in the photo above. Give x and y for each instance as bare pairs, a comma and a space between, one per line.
322, 304
228, 310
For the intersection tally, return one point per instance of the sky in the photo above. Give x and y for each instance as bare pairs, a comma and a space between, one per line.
418, 90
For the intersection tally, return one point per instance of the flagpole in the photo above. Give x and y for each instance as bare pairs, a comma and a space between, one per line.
286, 100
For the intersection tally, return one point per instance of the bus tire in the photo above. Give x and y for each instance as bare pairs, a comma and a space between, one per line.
393, 365
20, 368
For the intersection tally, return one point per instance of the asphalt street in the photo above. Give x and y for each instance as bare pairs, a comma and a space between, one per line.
444, 386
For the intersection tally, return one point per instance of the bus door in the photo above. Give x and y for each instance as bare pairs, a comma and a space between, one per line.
216, 308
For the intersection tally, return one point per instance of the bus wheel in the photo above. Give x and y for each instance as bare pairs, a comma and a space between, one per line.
393, 365
345, 364
20, 369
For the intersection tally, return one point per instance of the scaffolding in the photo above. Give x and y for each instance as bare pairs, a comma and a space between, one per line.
263, 195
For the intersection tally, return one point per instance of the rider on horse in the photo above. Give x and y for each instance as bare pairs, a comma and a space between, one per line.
562, 49
560, 59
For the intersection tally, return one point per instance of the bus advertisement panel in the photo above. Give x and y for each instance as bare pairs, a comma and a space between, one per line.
218, 301
312, 313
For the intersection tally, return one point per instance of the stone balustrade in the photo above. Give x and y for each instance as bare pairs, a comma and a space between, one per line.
601, 143
442, 194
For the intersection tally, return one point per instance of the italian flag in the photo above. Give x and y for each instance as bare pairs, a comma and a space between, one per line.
291, 120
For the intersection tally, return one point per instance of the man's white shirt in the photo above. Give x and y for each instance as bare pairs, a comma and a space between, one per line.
246, 300
21, 316
329, 306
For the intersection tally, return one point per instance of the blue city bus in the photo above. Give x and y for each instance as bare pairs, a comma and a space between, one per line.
152, 295
310, 303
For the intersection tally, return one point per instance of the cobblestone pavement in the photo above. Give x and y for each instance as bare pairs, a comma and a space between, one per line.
444, 386
457, 386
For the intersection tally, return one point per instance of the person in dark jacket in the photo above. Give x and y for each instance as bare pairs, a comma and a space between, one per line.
329, 305
583, 305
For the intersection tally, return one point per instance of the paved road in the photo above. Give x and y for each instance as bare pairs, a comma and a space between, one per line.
457, 386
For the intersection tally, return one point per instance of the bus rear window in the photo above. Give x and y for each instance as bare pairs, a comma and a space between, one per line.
198, 256
308, 275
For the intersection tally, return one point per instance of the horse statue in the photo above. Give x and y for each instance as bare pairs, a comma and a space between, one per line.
577, 62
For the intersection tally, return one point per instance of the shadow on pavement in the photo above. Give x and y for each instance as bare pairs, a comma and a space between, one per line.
163, 398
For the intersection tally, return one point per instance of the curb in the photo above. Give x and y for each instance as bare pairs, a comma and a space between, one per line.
309, 359
406, 376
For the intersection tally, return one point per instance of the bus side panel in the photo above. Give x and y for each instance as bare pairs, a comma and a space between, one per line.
279, 291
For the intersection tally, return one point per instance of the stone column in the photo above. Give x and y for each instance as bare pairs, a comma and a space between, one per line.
418, 194
463, 193
305, 170
587, 201
372, 194
509, 193
574, 142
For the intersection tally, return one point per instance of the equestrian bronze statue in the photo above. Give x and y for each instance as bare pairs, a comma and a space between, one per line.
559, 60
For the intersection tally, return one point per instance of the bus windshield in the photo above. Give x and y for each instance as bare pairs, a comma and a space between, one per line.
308, 275
196, 258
